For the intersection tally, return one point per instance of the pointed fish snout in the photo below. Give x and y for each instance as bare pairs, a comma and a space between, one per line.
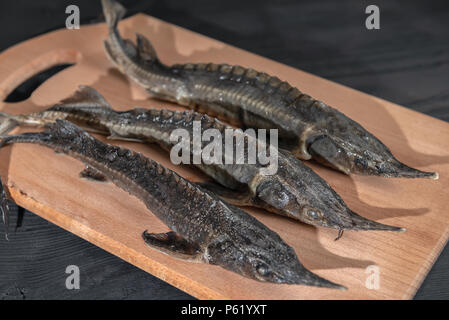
306, 277
357, 222
395, 168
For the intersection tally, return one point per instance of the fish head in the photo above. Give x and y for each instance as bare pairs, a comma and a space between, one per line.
360, 153
301, 202
298, 192
282, 267
260, 254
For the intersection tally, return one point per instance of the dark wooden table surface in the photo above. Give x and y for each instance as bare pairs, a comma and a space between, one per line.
406, 61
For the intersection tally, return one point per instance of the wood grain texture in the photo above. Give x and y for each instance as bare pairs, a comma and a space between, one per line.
113, 220
102, 275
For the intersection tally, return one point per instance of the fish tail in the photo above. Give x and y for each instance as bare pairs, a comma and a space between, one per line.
113, 12
7, 123
117, 48
144, 50
61, 130
25, 137
4, 208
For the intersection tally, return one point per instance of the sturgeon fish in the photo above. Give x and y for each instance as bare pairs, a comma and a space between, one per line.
295, 191
203, 227
309, 128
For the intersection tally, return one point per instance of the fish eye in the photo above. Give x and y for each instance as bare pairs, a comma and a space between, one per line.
263, 270
313, 214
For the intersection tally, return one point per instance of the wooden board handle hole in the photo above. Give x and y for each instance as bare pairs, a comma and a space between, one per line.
20, 84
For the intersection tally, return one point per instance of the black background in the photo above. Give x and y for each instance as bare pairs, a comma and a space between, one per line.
406, 62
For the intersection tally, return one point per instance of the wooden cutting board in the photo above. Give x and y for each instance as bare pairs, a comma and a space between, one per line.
48, 184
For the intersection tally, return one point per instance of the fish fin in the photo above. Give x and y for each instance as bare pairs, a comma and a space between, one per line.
113, 12
4, 208
93, 174
130, 48
173, 245
85, 96
145, 49
114, 136
234, 197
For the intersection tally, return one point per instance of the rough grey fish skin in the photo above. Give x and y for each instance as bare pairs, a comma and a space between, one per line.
295, 191
307, 127
204, 228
